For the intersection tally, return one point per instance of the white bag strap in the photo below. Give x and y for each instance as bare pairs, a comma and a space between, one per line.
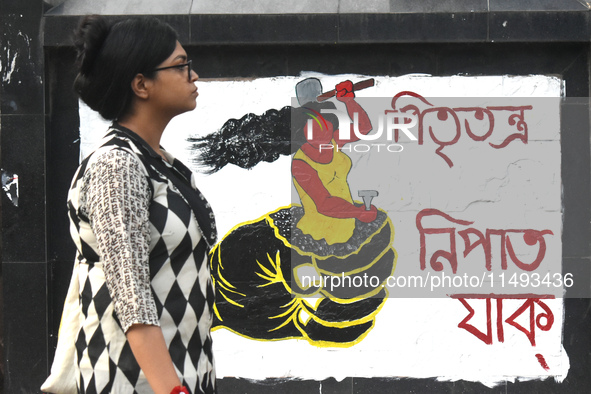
62, 379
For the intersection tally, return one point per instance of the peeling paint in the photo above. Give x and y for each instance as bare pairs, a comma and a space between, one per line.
18, 50
11, 65
10, 186
28, 41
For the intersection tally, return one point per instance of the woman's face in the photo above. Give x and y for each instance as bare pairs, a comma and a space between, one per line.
173, 91
319, 135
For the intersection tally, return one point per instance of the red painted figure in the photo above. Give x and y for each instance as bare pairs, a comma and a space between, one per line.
320, 172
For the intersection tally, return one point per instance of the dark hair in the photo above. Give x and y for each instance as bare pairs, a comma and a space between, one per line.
252, 139
110, 55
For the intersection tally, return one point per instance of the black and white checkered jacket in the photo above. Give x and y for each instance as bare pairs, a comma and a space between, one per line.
142, 231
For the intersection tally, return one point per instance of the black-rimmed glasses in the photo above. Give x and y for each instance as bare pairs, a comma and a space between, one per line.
188, 65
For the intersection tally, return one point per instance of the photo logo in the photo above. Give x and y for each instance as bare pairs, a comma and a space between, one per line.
391, 123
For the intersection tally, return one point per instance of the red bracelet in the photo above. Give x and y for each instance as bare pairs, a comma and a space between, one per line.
179, 390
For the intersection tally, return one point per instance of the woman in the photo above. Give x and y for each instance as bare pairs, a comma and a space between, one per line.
320, 170
141, 227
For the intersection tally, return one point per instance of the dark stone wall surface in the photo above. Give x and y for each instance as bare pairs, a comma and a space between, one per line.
39, 135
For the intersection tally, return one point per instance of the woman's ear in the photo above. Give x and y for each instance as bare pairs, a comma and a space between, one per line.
140, 86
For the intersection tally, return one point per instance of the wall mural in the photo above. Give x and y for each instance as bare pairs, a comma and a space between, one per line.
256, 296
381, 226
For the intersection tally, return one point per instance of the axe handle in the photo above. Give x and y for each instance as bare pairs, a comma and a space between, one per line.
357, 86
